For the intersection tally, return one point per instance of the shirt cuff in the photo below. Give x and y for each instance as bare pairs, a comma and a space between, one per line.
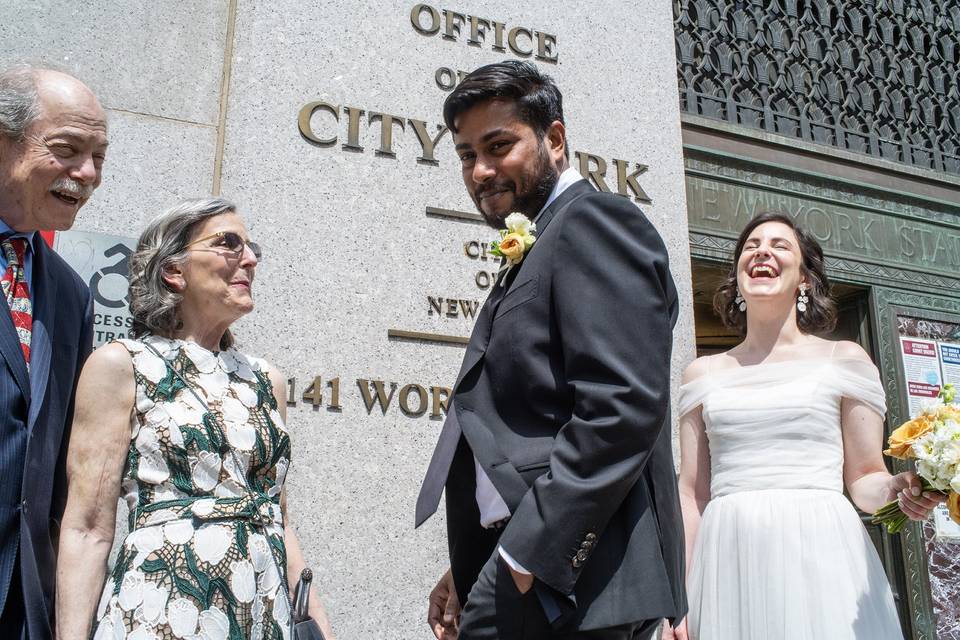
516, 566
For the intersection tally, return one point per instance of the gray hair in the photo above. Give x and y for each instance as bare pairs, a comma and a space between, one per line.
19, 101
162, 245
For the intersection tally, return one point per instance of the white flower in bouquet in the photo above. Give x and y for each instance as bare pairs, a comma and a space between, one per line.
932, 441
950, 455
925, 448
931, 407
928, 470
938, 454
952, 428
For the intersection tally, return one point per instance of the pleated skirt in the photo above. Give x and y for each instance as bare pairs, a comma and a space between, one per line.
787, 564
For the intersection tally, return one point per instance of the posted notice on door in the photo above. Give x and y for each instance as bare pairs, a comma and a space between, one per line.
921, 370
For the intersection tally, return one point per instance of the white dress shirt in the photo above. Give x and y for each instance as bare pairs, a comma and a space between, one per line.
492, 507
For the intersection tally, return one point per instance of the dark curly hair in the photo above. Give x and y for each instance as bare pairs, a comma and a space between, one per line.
538, 101
821, 313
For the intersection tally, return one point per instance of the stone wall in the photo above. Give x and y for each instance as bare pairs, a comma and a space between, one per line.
205, 97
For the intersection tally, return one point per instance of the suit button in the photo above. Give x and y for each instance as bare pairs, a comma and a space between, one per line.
576, 562
586, 545
590, 537
581, 555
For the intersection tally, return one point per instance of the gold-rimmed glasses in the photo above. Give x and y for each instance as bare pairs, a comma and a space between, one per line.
232, 242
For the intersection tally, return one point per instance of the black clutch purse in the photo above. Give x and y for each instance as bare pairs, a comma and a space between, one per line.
304, 627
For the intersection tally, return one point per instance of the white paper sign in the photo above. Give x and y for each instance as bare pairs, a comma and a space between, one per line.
946, 528
950, 362
921, 370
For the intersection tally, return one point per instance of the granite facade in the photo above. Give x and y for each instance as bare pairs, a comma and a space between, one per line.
206, 96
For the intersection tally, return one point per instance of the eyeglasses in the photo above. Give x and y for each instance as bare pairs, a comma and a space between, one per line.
232, 242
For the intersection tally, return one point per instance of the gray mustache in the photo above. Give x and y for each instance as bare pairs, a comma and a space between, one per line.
73, 188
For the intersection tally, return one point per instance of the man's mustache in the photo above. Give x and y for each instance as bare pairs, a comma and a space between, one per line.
73, 188
491, 189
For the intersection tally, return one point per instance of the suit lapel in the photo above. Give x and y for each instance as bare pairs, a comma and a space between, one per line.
500, 289
578, 188
44, 294
481, 329
480, 337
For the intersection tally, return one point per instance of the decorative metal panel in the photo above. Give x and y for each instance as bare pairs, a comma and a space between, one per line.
934, 615
877, 77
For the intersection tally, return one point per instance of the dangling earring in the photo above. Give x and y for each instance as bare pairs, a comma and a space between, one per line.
740, 302
802, 299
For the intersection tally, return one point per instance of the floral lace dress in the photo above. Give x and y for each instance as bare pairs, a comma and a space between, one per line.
198, 562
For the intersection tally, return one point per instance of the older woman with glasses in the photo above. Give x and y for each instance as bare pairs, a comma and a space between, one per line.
190, 432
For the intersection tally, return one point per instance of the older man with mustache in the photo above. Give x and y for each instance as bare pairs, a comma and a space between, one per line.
53, 139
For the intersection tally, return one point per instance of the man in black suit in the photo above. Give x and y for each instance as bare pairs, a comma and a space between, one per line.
52, 145
563, 516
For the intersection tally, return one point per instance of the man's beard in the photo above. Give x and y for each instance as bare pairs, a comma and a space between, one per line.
536, 191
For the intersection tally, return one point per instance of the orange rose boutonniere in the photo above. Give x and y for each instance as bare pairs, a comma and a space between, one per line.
515, 240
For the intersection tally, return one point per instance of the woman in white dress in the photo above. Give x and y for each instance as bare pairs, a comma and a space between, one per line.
770, 434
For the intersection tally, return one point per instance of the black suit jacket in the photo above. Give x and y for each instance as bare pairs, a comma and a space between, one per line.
35, 413
564, 397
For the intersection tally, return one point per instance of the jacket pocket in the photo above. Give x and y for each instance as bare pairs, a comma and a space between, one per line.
533, 470
530, 466
519, 294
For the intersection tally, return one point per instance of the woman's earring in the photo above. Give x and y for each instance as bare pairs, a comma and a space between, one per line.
802, 299
740, 302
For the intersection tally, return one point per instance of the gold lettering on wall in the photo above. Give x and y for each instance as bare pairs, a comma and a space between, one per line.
357, 129
318, 120
439, 401
427, 144
446, 78
379, 395
413, 400
386, 132
521, 41
452, 307
421, 402
306, 115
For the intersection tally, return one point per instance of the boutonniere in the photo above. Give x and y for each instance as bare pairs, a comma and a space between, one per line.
515, 240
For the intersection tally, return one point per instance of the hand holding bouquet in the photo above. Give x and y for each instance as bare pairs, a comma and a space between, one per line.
933, 440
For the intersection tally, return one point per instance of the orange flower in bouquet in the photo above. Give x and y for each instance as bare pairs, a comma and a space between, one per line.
932, 441
902, 439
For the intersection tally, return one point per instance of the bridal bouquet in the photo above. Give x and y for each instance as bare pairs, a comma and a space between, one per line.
933, 440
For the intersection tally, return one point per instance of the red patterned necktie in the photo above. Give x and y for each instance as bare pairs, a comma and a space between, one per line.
16, 291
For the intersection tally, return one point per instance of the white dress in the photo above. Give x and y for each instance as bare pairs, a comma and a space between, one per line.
781, 553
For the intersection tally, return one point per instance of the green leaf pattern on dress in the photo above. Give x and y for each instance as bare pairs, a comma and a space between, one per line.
198, 563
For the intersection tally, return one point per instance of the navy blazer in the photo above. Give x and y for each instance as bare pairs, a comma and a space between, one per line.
36, 409
564, 398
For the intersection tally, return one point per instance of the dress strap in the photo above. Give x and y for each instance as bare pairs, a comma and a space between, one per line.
834, 349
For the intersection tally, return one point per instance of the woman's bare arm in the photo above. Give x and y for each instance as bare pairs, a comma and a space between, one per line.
99, 443
693, 481
865, 475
